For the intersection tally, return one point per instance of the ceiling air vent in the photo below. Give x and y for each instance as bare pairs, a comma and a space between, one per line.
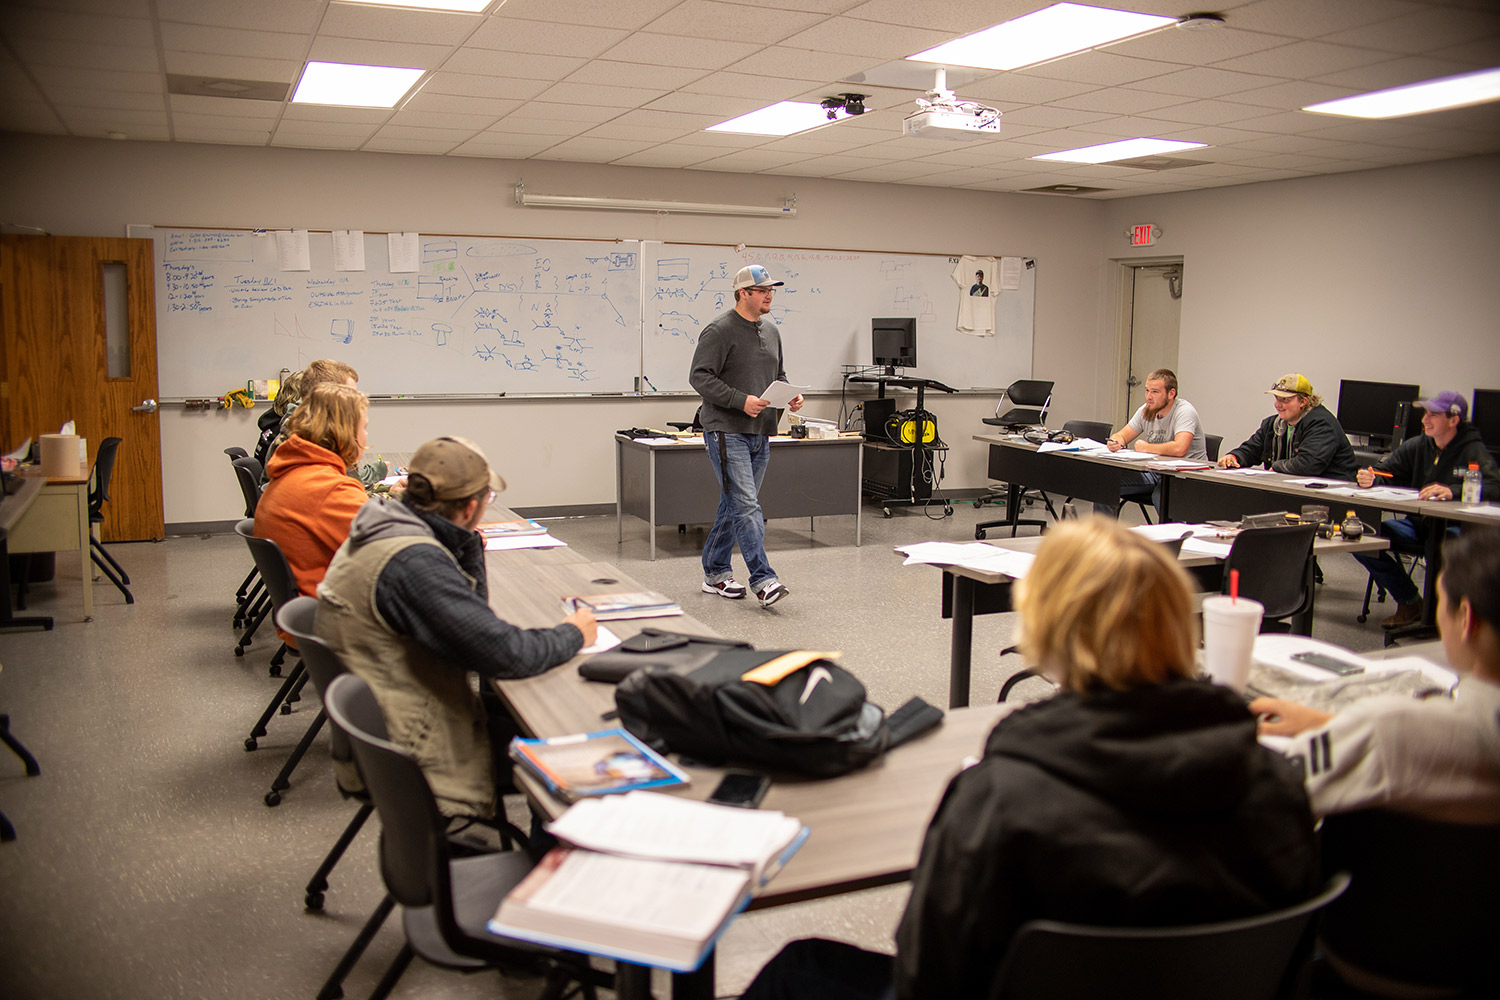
1157, 163
1063, 189
242, 90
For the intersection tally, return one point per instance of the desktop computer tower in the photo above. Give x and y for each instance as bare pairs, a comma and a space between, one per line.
1407, 424
877, 412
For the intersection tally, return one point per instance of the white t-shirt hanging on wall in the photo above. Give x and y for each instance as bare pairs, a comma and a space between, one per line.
977, 288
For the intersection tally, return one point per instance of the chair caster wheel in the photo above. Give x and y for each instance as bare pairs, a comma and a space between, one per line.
979, 534
947, 510
886, 512
274, 670
1361, 618
978, 504
314, 901
273, 798
250, 744
285, 709
239, 651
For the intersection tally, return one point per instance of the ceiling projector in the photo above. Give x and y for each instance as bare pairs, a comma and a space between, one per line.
941, 115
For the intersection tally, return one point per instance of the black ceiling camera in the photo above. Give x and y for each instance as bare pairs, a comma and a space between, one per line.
854, 104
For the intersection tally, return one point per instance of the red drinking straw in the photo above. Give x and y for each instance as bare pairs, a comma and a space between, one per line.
1234, 586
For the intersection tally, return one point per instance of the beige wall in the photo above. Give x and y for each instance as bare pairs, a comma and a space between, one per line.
1387, 275
1381, 275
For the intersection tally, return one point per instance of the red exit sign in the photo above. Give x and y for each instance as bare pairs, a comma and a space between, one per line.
1143, 235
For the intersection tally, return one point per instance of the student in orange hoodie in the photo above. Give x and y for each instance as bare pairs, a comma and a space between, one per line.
308, 504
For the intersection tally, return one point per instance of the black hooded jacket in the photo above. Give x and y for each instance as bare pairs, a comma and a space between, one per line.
1418, 461
1148, 807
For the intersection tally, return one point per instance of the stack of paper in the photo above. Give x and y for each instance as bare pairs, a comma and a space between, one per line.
609, 607
652, 879
970, 555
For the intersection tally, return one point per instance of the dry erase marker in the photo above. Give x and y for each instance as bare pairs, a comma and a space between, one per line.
1376, 472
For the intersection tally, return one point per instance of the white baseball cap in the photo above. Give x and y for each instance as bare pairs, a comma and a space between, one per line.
755, 276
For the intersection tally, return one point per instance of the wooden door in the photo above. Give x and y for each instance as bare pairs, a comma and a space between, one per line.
55, 364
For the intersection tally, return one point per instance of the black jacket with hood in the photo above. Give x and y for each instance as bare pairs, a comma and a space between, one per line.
1149, 807
1418, 461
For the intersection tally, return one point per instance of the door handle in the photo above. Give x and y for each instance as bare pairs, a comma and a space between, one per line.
147, 406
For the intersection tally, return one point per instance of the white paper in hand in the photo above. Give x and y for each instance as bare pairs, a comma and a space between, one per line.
781, 393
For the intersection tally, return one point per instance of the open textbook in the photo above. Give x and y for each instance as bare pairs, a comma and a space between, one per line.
647, 878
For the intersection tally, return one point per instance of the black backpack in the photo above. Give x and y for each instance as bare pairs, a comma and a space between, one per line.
813, 719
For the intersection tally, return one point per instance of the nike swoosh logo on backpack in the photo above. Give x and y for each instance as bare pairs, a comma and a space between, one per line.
818, 674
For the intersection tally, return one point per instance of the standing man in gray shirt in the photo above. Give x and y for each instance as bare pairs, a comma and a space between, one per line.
739, 355
1164, 425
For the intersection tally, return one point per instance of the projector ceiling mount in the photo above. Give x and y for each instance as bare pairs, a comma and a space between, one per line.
941, 115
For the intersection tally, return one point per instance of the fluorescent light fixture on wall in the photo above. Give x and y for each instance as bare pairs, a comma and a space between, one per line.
457, 6
784, 118
1125, 149
1417, 98
530, 198
1054, 31
347, 85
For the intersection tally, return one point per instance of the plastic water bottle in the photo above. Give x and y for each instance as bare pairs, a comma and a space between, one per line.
1472, 484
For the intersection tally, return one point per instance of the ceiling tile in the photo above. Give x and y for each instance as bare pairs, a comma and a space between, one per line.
566, 112
419, 118
23, 25
1119, 101
1017, 88
599, 94
1203, 81
587, 150
731, 22
1291, 95
802, 64
749, 161
97, 79
138, 59
515, 125
1050, 117
505, 147
1197, 48
315, 140
665, 156
1419, 32
654, 49
543, 38
219, 134
30, 116
1300, 60
181, 118
521, 65
874, 41
286, 15
764, 89
426, 100
617, 130
635, 14
372, 117
621, 74
282, 45
342, 130
349, 20
1102, 68
450, 136
368, 52
1314, 18
1393, 73
470, 85
119, 100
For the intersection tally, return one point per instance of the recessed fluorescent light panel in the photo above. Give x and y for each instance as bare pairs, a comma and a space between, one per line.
1125, 149
784, 118
1417, 98
1046, 34
461, 6
350, 86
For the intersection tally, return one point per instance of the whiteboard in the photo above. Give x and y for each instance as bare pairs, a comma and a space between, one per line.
824, 312
490, 315
480, 315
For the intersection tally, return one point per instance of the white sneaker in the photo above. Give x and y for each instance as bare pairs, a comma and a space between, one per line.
770, 594
725, 588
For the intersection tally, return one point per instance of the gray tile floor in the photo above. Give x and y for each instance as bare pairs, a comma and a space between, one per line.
148, 865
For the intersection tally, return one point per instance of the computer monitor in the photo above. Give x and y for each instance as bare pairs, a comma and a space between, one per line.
893, 342
1369, 408
1484, 412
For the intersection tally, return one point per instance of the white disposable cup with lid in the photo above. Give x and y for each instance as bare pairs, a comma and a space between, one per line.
1229, 629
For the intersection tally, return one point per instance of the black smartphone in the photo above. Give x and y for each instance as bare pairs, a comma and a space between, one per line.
741, 788
1325, 662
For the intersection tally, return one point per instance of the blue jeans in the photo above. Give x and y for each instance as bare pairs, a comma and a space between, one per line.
1408, 535
1135, 486
739, 520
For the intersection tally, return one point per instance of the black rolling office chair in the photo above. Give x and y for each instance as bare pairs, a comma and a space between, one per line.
1276, 569
1254, 958
255, 604
446, 901
281, 584
1023, 404
1211, 444
242, 596
104, 466
1094, 430
8, 832
1418, 919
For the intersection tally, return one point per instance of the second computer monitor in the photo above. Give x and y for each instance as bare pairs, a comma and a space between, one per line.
893, 342
1369, 408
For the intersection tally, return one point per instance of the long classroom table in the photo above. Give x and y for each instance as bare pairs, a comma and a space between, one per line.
867, 827
968, 592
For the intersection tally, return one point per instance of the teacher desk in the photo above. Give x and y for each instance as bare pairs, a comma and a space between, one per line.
57, 520
672, 482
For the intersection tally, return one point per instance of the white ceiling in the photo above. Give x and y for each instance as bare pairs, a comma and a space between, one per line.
635, 82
